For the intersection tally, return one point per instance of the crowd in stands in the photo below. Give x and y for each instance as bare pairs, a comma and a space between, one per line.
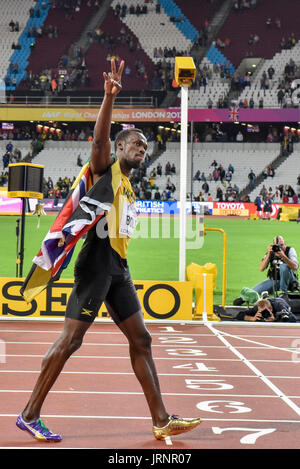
76, 74
73, 73
70, 7
57, 80
14, 26
210, 132
288, 43
110, 43
226, 191
50, 31
165, 52
58, 190
287, 86
147, 185
12, 155
124, 9
221, 71
66, 75
202, 39
217, 173
281, 194
244, 5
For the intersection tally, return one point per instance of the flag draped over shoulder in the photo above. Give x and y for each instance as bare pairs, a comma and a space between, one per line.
84, 207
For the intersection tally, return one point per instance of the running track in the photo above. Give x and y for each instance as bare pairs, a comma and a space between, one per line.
243, 380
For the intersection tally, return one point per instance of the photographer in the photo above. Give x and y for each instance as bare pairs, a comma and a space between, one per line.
283, 263
268, 310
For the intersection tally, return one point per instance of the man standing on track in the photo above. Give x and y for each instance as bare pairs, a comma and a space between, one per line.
102, 274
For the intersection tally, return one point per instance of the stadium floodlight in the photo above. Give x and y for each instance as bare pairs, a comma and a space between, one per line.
185, 74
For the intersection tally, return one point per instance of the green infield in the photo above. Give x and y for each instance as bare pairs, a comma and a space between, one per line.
154, 250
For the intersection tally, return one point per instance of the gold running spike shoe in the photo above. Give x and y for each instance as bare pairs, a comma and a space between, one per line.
175, 426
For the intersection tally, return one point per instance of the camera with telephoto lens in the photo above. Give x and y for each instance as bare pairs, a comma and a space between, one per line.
283, 315
276, 247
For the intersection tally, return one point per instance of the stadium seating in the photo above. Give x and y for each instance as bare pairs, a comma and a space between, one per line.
285, 174
243, 157
59, 158
240, 25
16, 11
278, 62
216, 57
23, 145
112, 26
48, 51
199, 11
155, 30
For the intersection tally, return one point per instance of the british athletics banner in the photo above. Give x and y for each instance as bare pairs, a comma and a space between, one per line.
157, 207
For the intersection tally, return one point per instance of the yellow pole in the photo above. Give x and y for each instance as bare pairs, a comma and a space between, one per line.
224, 260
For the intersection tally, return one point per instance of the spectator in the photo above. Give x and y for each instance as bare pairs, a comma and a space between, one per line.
239, 137
157, 195
205, 187
197, 176
251, 177
168, 168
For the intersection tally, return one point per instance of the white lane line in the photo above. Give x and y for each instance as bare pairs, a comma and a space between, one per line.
45, 331
181, 346
125, 357
125, 344
255, 370
156, 358
131, 373
140, 393
132, 393
263, 345
25, 331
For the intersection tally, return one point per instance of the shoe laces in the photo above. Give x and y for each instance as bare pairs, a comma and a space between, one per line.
41, 424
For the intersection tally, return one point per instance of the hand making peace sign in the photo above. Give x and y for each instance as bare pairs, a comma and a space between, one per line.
112, 80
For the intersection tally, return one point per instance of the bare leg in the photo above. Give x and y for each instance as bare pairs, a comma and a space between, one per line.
67, 343
143, 365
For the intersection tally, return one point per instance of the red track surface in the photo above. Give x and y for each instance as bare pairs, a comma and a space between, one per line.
243, 380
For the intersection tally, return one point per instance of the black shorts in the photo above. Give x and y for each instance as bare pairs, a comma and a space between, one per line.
91, 290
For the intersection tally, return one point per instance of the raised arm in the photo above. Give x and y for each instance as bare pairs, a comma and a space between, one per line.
264, 263
101, 146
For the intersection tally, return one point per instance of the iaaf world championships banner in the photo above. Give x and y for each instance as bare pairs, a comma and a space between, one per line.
77, 114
